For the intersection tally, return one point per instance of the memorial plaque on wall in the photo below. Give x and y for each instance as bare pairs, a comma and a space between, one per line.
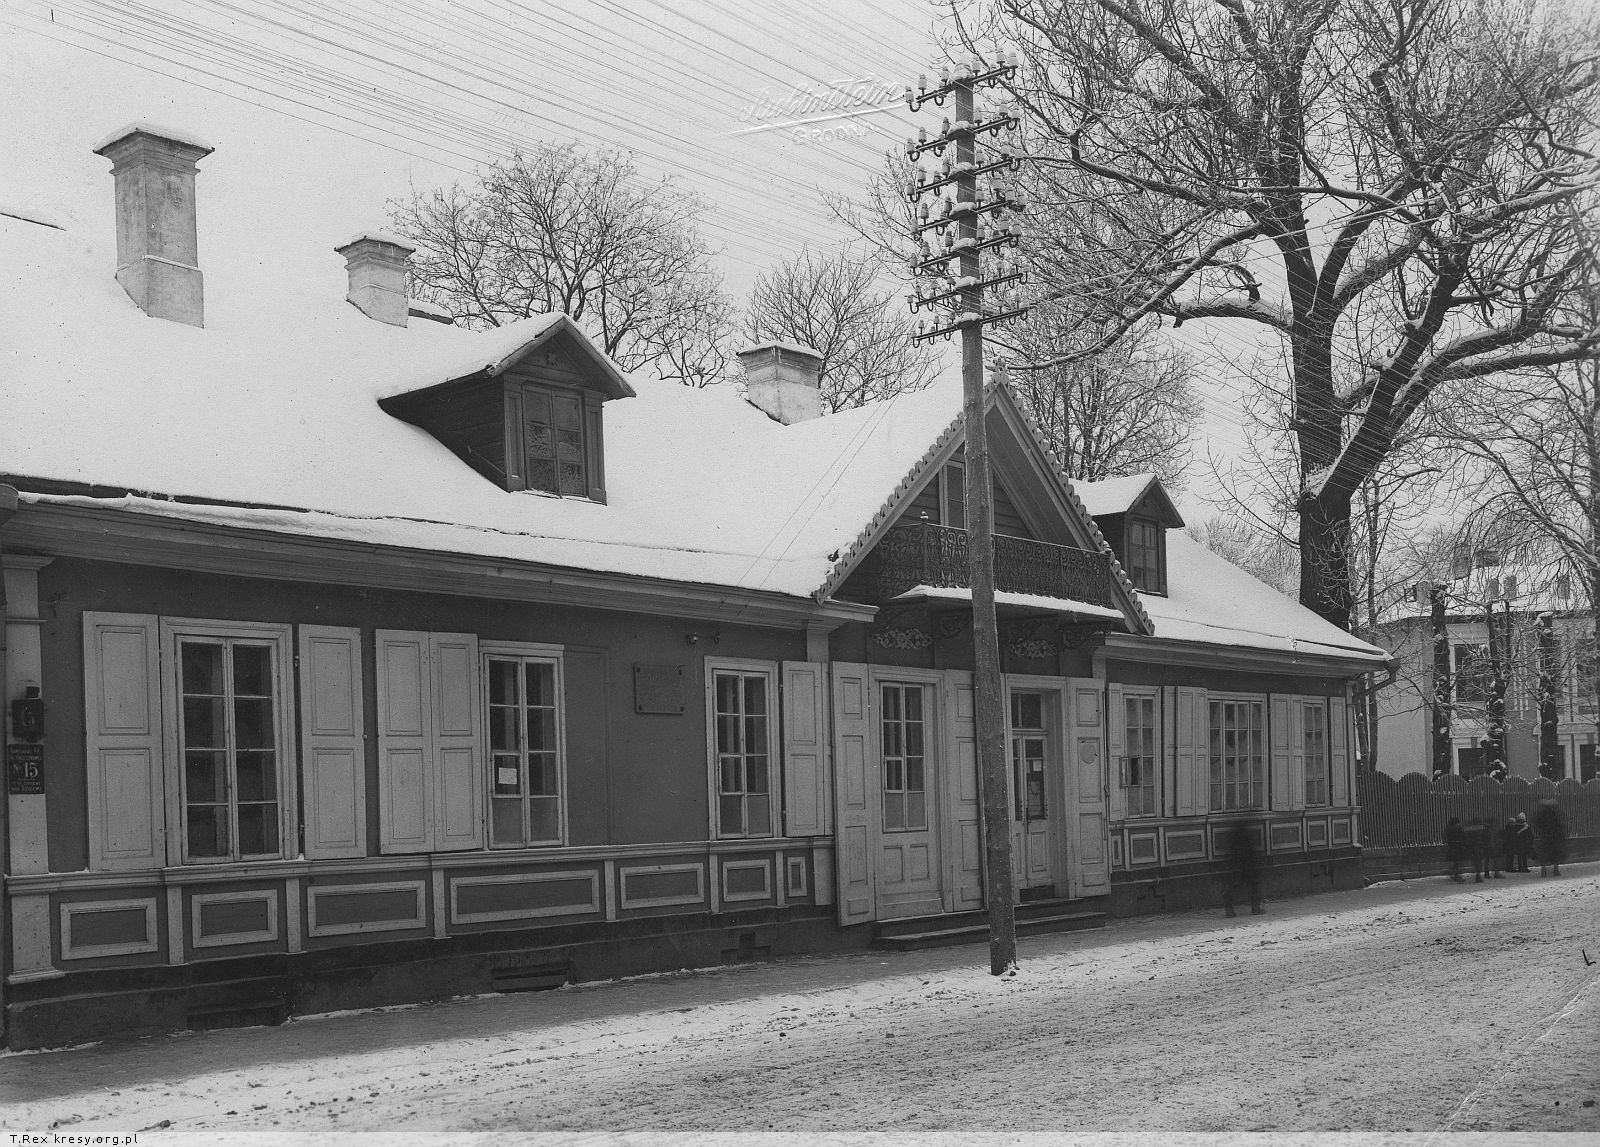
658, 689
25, 770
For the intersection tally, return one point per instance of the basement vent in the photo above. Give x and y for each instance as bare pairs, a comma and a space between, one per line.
531, 977
248, 1014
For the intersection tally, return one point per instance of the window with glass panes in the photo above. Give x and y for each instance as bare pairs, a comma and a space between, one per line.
1472, 673
1238, 763
1144, 556
1314, 723
901, 723
744, 789
229, 742
1140, 761
552, 442
524, 751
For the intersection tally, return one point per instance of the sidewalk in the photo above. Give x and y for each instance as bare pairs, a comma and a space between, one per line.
1352, 1010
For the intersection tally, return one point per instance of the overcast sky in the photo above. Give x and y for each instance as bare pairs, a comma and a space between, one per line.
321, 113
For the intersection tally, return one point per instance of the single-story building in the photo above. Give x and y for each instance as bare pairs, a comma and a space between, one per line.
354, 657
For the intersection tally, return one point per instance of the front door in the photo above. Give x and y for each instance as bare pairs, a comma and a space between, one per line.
908, 864
1035, 768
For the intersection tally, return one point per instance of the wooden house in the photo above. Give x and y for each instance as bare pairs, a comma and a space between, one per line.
359, 658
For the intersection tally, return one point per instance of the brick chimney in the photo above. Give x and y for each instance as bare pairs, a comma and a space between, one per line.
158, 260
784, 380
378, 264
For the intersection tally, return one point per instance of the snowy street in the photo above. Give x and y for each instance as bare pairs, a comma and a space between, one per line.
1422, 1006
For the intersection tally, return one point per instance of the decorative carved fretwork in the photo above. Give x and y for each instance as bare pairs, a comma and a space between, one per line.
1076, 633
952, 624
922, 553
902, 638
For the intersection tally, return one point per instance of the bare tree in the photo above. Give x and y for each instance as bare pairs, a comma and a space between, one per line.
1127, 410
1530, 443
560, 229
1292, 165
836, 305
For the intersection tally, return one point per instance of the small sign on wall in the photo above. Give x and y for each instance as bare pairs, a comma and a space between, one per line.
658, 689
25, 770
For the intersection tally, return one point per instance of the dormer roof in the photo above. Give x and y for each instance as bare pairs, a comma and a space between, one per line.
1141, 494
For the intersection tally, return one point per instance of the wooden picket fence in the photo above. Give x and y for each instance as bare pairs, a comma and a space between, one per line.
1412, 811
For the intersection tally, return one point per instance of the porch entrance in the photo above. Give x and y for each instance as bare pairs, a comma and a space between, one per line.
908, 816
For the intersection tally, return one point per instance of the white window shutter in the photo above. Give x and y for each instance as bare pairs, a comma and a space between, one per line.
405, 747
1193, 752
854, 791
1117, 752
1297, 753
1086, 755
333, 740
458, 784
1281, 760
1339, 751
805, 764
122, 712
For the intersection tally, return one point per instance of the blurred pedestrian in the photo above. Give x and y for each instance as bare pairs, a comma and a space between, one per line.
1508, 844
1479, 846
1245, 864
1522, 848
1455, 846
1549, 837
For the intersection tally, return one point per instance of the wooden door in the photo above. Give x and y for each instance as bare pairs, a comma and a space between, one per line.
1034, 778
908, 823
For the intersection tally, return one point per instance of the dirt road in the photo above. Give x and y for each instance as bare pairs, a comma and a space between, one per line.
1422, 1007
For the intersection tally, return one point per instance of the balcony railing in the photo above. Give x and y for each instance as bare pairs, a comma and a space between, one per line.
922, 553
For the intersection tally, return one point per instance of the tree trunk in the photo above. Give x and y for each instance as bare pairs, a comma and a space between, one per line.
1439, 711
1325, 558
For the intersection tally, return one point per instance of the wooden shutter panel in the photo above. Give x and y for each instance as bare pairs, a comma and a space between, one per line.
853, 791
333, 739
1297, 753
122, 711
1117, 752
458, 785
594, 449
1194, 752
404, 741
1280, 758
1087, 763
1339, 750
805, 765
958, 759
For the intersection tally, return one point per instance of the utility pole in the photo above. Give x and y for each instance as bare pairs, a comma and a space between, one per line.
966, 226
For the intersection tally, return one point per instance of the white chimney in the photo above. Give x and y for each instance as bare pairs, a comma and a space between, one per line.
158, 261
784, 380
378, 264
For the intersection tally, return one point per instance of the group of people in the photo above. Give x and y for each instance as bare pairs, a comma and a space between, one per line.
1519, 841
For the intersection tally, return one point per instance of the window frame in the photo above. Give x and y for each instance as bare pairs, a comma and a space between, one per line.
947, 497
743, 667
1152, 696
1481, 672
1258, 780
591, 436
1318, 706
1148, 577
280, 639
524, 652
925, 722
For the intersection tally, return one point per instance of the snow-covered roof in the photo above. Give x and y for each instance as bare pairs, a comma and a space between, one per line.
274, 404
161, 131
1529, 587
1212, 600
1113, 495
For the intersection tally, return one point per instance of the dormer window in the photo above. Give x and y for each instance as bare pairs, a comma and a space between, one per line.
1147, 556
553, 437
530, 421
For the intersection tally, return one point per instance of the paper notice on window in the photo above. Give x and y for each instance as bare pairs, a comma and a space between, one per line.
506, 778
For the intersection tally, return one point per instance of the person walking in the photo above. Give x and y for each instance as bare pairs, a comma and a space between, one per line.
1522, 848
1508, 844
1549, 837
1455, 846
1246, 863
1479, 846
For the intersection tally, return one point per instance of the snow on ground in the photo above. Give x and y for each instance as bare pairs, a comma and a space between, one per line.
1420, 1007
